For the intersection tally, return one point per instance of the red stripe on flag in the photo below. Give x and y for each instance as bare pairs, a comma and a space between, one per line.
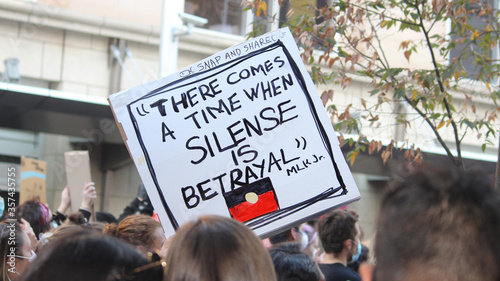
247, 211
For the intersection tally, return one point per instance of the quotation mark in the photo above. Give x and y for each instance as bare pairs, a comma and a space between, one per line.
144, 111
298, 143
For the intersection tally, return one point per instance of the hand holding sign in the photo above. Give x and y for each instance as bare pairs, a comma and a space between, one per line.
88, 196
78, 175
65, 201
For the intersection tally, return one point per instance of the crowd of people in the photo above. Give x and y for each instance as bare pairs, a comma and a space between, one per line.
436, 224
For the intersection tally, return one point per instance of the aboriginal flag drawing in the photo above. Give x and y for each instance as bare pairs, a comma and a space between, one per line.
252, 201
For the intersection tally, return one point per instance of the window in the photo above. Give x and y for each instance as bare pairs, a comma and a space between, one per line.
291, 9
466, 52
222, 15
299, 8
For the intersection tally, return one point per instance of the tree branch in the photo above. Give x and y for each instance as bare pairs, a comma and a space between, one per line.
437, 17
389, 17
442, 90
455, 160
386, 63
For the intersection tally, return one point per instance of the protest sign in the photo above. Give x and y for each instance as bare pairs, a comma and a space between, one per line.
33, 180
77, 165
241, 134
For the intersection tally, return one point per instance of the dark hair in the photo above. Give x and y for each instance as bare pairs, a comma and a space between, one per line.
76, 218
292, 264
439, 223
282, 237
105, 217
87, 255
31, 211
68, 230
96, 226
336, 227
215, 248
9, 229
136, 230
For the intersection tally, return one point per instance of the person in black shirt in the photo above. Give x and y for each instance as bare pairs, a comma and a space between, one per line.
291, 263
339, 235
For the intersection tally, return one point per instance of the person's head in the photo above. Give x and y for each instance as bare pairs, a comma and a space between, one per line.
76, 218
282, 237
338, 232
214, 248
105, 217
439, 224
15, 250
312, 248
87, 255
37, 214
292, 264
96, 226
67, 230
138, 230
294, 234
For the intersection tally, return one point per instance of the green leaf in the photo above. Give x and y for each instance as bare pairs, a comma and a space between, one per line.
386, 74
400, 93
469, 123
342, 5
415, 27
374, 91
343, 54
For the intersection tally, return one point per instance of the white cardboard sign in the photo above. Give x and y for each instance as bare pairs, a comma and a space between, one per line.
241, 134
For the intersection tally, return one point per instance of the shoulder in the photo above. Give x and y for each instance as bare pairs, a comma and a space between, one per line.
338, 272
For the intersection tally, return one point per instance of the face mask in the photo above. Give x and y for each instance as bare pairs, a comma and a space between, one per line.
304, 242
355, 257
30, 259
2, 205
304, 239
315, 253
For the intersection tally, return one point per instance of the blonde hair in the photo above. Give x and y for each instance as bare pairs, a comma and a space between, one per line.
215, 248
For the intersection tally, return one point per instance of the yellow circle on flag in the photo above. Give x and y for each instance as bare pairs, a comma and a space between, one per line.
252, 197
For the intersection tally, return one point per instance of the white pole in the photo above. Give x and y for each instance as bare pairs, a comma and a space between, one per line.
168, 43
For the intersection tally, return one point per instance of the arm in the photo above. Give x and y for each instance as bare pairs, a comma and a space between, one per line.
59, 216
65, 201
26, 227
88, 196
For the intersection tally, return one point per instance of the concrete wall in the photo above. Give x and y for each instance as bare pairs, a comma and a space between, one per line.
146, 11
368, 207
38, 48
123, 187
